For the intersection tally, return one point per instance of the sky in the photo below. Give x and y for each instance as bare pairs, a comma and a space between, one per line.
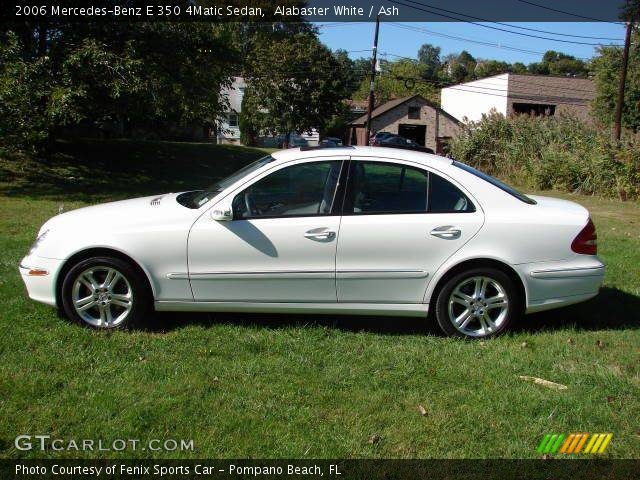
404, 39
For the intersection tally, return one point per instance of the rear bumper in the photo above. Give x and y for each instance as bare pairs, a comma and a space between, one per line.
39, 276
557, 284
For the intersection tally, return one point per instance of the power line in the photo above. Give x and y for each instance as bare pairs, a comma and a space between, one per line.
515, 84
512, 26
534, 84
492, 27
492, 87
333, 25
468, 40
517, 95
535, 98
558, 33
568, 13
568, 89
442, 84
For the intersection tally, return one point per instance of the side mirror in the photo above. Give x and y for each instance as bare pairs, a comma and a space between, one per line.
222, 212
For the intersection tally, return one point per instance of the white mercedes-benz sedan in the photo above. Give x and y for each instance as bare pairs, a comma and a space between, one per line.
348, 230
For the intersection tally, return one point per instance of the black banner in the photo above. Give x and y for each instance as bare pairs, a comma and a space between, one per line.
556, 469
317, 10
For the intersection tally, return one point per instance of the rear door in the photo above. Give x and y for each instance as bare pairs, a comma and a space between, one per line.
400, 223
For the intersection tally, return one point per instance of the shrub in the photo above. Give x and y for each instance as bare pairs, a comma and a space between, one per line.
557, 152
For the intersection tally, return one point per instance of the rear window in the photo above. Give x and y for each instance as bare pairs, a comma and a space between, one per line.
496, 183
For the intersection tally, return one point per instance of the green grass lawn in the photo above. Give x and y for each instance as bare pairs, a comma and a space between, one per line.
301, 386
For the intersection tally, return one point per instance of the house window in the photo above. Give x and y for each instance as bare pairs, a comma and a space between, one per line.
233, 120
414, 113
534, 109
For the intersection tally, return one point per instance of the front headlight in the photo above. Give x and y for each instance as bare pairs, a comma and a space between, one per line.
38, 241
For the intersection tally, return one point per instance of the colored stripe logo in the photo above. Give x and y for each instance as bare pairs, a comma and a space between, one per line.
594, 443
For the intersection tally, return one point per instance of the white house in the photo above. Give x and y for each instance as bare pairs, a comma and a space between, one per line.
468, 101
229, 131
513, 94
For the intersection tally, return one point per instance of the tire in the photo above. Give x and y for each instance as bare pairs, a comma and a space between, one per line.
461, 298
105, 293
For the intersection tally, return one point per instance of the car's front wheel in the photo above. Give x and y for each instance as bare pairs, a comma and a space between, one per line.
105, 293
477, 303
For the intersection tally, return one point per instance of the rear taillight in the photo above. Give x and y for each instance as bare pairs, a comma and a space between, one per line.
586, 242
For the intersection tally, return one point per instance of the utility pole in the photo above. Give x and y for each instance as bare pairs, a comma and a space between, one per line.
373, 79
617, 131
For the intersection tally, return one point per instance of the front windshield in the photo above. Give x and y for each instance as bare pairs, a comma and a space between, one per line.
199, 198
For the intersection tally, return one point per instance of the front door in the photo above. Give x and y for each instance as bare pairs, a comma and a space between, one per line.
281, 244
399, 225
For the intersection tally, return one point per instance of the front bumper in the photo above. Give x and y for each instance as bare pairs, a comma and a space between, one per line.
557, 284
39, 276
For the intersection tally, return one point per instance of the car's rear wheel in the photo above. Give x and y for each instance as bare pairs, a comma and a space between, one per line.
477, 303
105, 293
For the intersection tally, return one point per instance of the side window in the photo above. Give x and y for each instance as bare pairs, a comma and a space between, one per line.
386, 188
444, 197
305, 189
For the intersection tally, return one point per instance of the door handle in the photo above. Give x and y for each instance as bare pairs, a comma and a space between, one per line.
448, 232
322, 233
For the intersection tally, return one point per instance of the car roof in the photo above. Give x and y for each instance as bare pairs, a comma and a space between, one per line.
287, 155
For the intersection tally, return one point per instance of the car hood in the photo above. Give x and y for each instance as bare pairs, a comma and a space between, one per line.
142, 211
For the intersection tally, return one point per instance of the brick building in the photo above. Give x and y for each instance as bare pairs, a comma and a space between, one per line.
512, 94
412, 117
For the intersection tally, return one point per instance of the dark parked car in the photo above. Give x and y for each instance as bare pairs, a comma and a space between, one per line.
397, 140
331, 142
376, 139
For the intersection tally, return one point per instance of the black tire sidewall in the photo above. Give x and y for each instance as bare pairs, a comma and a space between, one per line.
442, 302
140, 291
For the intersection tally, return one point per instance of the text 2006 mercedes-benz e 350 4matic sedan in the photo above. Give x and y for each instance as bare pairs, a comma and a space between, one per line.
353, 230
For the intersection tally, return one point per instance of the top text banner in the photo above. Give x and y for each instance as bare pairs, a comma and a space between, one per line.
318, 10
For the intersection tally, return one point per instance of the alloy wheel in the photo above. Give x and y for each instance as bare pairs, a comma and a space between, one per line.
478, 306
102, 296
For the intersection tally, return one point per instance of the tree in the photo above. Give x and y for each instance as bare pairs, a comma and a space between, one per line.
352, 71
606, 68
519, 67
459, 68
135, 76
429, 56
24, 87
397, 79
248, 130
630, 11
466, 58
294, 84
488, 68
558, 63
538, 68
